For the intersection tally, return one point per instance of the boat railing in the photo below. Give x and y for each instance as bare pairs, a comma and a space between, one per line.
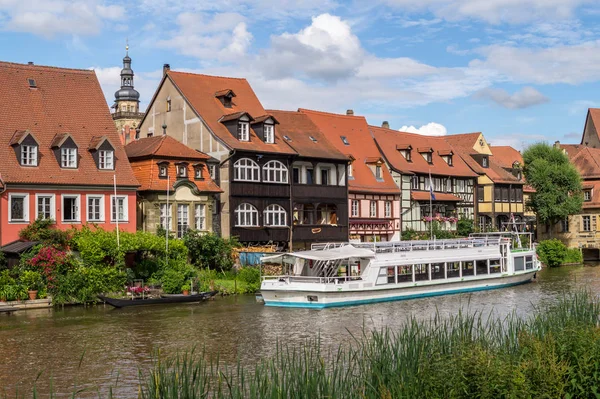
420, 245
317, 280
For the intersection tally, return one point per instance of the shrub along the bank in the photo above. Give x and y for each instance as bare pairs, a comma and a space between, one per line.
210, 251
554, 253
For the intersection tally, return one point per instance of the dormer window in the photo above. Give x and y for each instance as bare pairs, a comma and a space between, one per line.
378, 172
163, 170
225, 96
269, 132
485, 161
182, 170
29, 155
198, 172
449, 160
350, 171
243, 129
212, 171
427, 154
227, 102
106, 159
519, 175
32, 83
587, 195
68, 157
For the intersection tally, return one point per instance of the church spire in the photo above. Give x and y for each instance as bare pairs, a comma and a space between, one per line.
127, 92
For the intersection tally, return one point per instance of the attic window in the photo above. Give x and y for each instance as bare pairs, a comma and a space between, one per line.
243, 131
182, 170
269, 132
378, 172
198, 173
314, 140
32, 83
427, 156
345, 140
587, 195
484, 161
448, 159
168, 104
406, 154
227, 102
287, 138
163, 170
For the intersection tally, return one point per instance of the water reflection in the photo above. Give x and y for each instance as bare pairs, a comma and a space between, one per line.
120, 341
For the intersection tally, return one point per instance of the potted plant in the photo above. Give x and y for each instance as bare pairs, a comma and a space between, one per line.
185, 289
33, 282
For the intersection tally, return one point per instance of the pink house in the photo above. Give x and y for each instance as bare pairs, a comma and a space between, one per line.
61, 155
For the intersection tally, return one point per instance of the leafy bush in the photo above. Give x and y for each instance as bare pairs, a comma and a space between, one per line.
45, 230
251, 276
51, 262
210, 250
464, 227
13, 292
409, 234
440, 234
31, 280
6, 278
3, 262
552, 252
172, 281
574, 255
83, 284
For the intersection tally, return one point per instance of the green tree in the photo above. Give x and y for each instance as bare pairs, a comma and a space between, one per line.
557, 184
210, 250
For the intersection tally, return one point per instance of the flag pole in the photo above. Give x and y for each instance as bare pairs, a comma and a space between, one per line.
430, 206
167, 223
115, 207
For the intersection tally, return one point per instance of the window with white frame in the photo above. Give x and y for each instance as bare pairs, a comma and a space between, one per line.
68, 157
70, 208
269, 131
106, 159
448, 185
162, 170
165, 216
198, 172
95, 208
246, 169
200, 216
118, 208
414, 183
44, 206
275, 172
378, 172
183, 219
246, 215
373, 209
182, 170
350, 171
437, 184
388, 209
19, 207
275, 215
460, 186
586, 223
29, 155
212, 170
243, 131
587, 195
354, 211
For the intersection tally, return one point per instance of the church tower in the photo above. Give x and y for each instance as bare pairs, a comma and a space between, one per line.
127, 115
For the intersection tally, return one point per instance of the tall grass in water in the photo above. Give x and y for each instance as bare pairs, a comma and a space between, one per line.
553, 354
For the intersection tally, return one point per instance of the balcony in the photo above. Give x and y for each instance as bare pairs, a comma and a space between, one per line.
317, 191
257, 189
127, 115
321, 233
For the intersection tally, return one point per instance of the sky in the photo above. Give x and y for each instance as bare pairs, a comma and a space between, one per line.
520, 71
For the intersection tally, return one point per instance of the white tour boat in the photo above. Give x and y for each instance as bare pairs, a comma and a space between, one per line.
345, 274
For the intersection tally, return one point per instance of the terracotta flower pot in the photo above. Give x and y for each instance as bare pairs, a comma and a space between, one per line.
32, 295
186, 292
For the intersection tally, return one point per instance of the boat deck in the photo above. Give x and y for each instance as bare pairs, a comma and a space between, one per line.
421, 245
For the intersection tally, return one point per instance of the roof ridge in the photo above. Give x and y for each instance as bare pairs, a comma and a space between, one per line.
16, 65
330, 113
206, 75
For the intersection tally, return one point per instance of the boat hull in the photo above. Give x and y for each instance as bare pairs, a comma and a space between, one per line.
123, 303
334, 297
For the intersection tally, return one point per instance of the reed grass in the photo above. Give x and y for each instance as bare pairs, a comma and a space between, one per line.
554, 353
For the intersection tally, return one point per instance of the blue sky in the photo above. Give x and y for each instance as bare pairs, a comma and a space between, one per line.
519, 71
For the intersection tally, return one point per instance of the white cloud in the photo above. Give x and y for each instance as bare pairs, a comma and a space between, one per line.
526, 97
494, 11
430, 129
49, 18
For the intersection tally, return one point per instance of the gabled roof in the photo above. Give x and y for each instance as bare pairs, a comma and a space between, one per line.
299, 128
585, 159
506, 156
465, 141
594, 115
19, 136
225, 92
60, 139
97, 141
199, 91
389, 140
48, 110
164, 147
263, 118
360, 145
235, 116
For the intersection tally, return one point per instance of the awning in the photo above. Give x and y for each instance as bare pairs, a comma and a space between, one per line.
370, 221
345, 252
425, 195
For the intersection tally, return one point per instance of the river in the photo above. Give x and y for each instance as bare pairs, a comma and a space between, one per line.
91, 346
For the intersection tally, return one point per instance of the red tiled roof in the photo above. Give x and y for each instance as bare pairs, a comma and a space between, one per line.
506, 156
360, 145
425, 196
63, 101
299, 128
388, 140
585, 159
464, 140
162, 147
595, 202
146, 170
235, 116
199, 90
594, 114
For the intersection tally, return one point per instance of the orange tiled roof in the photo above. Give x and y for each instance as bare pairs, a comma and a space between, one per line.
299, 128
146, 170
199, 90
585, 159
163, 147
62, 101
360, 146
388, 140
594, 113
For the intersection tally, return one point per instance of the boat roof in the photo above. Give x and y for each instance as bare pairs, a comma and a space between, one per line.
343, 252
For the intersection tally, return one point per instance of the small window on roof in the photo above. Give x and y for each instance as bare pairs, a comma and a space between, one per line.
287, 138
31, 82
314, 140
345, 140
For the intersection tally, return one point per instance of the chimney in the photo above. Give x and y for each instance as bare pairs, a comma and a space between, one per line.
557, 144
166, 68
350, 112
385, 125
30, 63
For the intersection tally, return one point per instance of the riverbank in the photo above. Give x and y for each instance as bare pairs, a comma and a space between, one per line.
555, 352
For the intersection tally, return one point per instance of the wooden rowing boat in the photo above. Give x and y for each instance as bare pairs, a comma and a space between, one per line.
123, 302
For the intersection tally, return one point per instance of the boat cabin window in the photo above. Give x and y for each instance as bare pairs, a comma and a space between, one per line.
495, 266
481, 266
519, 263
467, 268
438, 271
391, 275
421, 272
529, 262
453, 269
404, 273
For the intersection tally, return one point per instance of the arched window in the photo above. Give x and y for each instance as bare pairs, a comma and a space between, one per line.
275, 172
246, 215
275, 215
246, 170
